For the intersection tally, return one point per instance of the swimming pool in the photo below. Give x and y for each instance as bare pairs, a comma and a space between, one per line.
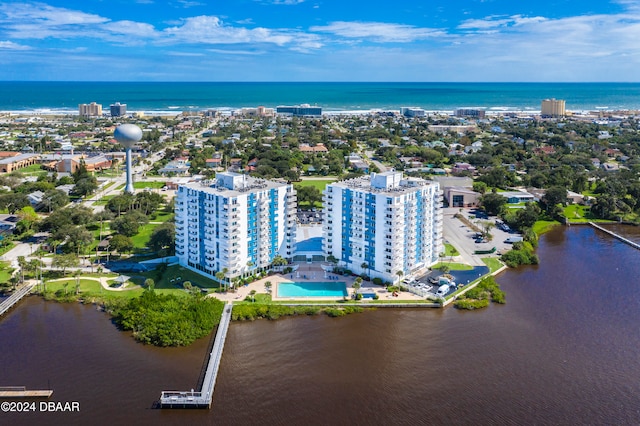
312, 289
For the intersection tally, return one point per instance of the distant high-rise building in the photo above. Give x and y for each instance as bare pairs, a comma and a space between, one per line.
412, 112
118, 109
384, 225
90, 110
238, 223
304, 110
470, 112
552, 108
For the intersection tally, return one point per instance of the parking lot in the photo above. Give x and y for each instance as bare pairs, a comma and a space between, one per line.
464, 238
306, 217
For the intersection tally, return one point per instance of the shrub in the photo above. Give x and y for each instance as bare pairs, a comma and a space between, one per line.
377, 281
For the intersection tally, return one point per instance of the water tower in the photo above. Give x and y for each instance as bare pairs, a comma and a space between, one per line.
127, 135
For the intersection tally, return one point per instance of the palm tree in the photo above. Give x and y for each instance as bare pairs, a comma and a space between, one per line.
364, 266
220, 277
399, 274
225, 271
252, 293
149, 283
267, 286
76, 275
356, 286
249, 265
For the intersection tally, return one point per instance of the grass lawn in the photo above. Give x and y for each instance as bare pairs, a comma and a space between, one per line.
542, 226
179, 275
578, 213
319, 184
5, 272
453, 266
161, 216
33, 170
6, 247
493, 263
90, 288
141, 239
149, 184
450, 250
103, 200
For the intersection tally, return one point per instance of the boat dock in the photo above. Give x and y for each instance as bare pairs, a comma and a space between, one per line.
619, 237
202, 398
22, 392
16, 296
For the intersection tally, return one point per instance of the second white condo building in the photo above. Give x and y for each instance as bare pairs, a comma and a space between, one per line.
383, 225
235, 223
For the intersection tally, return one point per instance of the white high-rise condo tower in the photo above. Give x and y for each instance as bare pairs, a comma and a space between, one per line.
127, 135
385, 225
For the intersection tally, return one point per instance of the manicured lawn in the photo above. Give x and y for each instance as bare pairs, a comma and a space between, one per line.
578, 213
103, 200
5, 272
149, 184
179, 275
319, 184
542, 226
453, 266
141, 239
161, 216
450, 250
493, 263
33, 170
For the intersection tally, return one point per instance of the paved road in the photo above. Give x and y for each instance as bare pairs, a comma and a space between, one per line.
460, 236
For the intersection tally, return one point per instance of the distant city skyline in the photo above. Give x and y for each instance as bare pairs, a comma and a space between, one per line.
313, 40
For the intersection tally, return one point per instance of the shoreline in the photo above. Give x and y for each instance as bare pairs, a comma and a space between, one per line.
489, 111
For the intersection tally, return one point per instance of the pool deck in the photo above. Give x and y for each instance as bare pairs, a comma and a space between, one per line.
313, 273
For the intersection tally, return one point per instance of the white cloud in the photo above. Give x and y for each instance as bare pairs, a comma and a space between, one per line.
378, 31
187, 54
491, 22
9, 45
131, 28
236, 52
285, 2
211, 30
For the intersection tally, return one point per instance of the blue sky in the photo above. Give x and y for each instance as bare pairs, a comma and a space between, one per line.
321, 40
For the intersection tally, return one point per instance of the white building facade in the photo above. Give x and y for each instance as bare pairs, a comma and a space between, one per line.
235, 222
384, 225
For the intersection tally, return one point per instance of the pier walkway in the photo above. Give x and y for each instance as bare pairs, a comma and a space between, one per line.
203, 398
22, 392
16, 296
613, 234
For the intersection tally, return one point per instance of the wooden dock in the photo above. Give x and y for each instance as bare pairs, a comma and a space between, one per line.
614, 235
204, 397
16, 296
7, 392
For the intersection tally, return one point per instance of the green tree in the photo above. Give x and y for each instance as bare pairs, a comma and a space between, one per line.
493, 202
480, 187
163, 237
553, 196
129, 224
121, 243
64, 261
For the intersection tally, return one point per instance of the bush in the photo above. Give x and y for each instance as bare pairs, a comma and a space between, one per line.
377, 281
169, 320
471, 304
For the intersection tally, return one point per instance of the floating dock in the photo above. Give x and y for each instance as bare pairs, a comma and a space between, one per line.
15, 297
202, 398
613, 234
7, 392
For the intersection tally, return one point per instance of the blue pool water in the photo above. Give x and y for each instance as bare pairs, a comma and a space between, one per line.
312, 289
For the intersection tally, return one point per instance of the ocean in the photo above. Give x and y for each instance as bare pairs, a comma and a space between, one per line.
167, 97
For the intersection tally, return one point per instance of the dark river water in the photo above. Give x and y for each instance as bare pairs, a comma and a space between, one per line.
563, 350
